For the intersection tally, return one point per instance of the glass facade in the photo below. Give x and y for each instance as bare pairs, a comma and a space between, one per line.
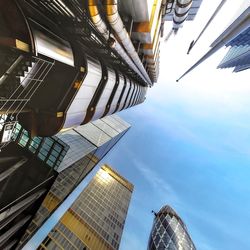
50, 150
96, 219
91, 137
238, 56
88, 144
169, 232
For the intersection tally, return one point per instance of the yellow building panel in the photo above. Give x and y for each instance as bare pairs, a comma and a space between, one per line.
144, 31
51, 202
83, 231
118, 177
155, 39
22, 45
152, 51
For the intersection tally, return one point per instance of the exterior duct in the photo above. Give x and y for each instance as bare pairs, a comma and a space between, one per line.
181, 10
102, 28
118, 26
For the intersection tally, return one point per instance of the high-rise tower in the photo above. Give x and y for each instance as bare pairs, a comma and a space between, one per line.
86, 146
70, 62
27, 171
236, 36
169, 232
238, 56
97, 217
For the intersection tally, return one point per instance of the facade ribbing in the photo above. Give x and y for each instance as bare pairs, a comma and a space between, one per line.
97, 217
169, 232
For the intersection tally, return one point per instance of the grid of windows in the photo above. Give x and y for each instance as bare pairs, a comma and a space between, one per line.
51, 150
105, 127
71, 176
96, 219
103, 205
79, 147
169, 232
61, 188
62, 238
238, 55
116, 122
100, 134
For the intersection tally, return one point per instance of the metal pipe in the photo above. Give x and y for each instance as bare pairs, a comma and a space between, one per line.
207, 24
11, 69
118, 26
102, 28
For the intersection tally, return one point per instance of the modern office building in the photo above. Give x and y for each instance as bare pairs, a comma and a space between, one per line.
235, 35
169, 232
191, 14
27, 171
96, 219
189, 10
87, 145
238, 56
100, 61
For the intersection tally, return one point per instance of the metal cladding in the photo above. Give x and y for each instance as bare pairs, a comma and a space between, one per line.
238, 56
103, 29
181, 10
169, 232
66, 77
234, 30
118, 26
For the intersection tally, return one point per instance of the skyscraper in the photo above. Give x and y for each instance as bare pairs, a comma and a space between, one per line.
56, 78
27, 171
238, 56
97, 217
235, 35
194, 8
169, 232
87, 145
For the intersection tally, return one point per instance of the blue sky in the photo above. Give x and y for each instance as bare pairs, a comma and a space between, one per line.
189, 144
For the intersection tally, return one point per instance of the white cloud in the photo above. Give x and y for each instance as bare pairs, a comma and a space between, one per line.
162, 189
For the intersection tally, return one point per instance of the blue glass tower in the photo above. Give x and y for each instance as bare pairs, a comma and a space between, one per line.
238, 56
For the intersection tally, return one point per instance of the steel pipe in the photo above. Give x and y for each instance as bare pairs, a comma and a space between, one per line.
118, 26
102, 28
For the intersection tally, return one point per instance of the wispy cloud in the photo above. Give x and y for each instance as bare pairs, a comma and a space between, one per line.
162, 189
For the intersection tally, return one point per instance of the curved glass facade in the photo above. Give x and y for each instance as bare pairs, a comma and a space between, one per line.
169, 232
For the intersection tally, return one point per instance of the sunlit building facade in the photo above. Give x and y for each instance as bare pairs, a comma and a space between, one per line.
169, 232
97, 217
86, 146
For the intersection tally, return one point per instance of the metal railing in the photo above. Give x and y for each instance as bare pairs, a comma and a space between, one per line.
16, 101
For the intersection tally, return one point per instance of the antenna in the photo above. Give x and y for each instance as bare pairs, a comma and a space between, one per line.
153, 212
207, 24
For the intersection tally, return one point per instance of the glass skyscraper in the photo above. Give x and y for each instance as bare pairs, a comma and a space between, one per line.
86, 146
97, 217
238, 56
27, 172
169, 232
